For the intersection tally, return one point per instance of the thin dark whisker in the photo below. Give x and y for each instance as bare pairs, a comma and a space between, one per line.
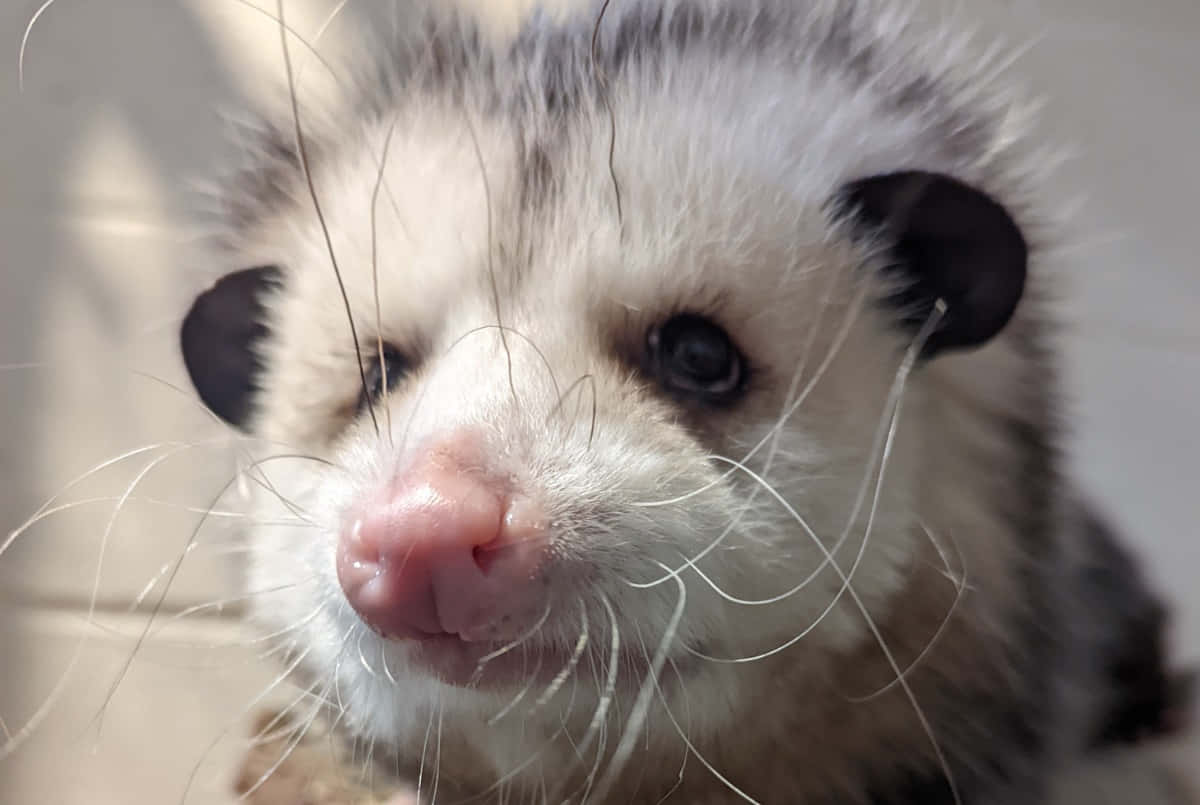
387, 143
513, 331
591, 380
491, 247
302, 152
602, 80
309, 46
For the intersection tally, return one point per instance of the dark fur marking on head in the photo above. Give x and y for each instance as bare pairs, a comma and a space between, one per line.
266, 182
843, 45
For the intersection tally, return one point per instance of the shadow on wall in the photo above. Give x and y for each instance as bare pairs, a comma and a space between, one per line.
120, 111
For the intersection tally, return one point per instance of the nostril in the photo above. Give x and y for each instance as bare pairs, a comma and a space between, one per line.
486, 555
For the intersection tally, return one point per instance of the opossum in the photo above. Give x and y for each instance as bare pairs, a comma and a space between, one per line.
665, 406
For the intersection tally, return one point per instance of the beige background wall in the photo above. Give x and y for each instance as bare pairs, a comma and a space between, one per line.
120, 107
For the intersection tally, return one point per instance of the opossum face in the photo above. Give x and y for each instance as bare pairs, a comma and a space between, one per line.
569, 420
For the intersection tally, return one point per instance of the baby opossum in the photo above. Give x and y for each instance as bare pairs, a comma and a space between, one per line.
662, 406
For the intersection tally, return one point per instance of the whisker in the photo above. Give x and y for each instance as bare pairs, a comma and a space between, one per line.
500, 652
283, 676
362, 658
424, 751
520, 695
487, 191
437, 769
189, 644
885, 438
683, 764
387, 142
424, 390
309, 46
170, 579
16, 533
25, 42
590, 379
166, 568
834, 349
319, 35
529, 341
602, 80
597, 727
696, 752
220, 605
641, 706
776, 432
846, 586
877, 457
302, 152
960, 588
387, 672
287, 752
569, 668
15, 739
107, 534
93, 501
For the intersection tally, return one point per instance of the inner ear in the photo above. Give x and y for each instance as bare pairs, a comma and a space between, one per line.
949, 241
219, 337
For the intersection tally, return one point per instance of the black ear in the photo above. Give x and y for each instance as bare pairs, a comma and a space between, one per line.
218, 338
950, 242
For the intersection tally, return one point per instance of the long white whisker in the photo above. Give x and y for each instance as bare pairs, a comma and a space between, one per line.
610, 685
641, 706
835, 348
960, 588
569, 668
696, 752
287, 752
877, 457
520, 695
879, 639
25, 42
424, 753
171, 577
510, 646
15, 534
282, 676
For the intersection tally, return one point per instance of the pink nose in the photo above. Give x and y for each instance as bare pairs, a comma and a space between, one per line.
444, 553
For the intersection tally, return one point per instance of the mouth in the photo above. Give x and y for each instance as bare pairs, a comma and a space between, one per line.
491, 665
504, 666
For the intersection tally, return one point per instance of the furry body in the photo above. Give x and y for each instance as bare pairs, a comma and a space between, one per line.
962, 641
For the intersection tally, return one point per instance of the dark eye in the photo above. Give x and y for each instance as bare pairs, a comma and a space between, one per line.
694, 357
382, 372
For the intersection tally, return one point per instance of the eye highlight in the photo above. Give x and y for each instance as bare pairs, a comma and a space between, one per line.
693, 357
381, 375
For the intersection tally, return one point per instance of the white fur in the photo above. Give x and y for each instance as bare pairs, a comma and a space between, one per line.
723, 176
